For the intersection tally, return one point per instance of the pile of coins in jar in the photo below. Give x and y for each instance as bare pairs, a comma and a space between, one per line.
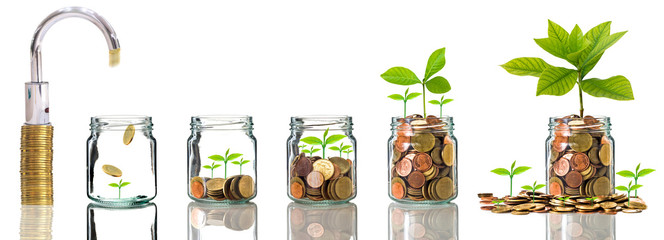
318, 179
581, 158
234, 188
423, 158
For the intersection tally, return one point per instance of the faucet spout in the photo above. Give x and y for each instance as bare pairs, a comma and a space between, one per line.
80, 12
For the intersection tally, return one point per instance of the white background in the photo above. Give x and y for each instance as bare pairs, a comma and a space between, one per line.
276, 59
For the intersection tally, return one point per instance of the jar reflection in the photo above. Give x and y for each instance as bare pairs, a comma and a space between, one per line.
132, 222
36, 221
423, 221
580, 226
207, 221
307, 222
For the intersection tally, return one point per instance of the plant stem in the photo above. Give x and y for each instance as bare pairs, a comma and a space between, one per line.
225, 168
580, 95
510, 186
240, 169
212, 172
404, 108
119, 192
636, 181
424, 99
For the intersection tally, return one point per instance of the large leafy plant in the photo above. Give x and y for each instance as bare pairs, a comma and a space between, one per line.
406, 77
326, 140
582, 51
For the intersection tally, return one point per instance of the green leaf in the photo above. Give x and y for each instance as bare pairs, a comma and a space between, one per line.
512, 167
526, 66
326, 132
601, 46
400, 76
234, 156
501, 171
227, 151
315, 150
312, 140
637, 186
553, 46
637, 168
446, 101
590, 65
114, 185
245, 162
622, 188
436, 63
438, 85
334, 138
575, 41
216, 157
436, 102
396, 97
539, 186
527, 187
520, 170
207, 167
335, 148
125, 184
645, 172
556, 81
413, 95
346, 147
626, 173
557, 32
235, 162
306, 151
616, 87
216, 166
574, 57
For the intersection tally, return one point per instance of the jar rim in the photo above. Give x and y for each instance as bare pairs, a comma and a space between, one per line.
313, 122
117, 122
221, 122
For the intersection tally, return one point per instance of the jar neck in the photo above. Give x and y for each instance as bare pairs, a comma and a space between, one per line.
321, 123
221, 122
120, 123
575, 123
431, 124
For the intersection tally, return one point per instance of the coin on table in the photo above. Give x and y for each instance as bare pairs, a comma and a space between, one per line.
436, 156
128, 134
580, 142
325, 167
416, 179
423, 142
608, 205
605, 154
246, 186
444, 188
573, 179
315, 179
520, 212
404, 167
448, 155
344, 166
501, 209
343, 188
111, 170
631, 210
561, 167
422, 162
634, 204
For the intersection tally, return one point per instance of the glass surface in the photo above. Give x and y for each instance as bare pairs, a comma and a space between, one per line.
580, 156
321, 160
580, 226
131, 222
213, 221
409, 221
221, 159
422, 160
307, 222
122, 158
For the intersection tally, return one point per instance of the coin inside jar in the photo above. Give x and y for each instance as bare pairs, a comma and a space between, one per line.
574, 179
436, 156
303, 166
422, 162
404, 166
561, 167
580, 161
605, 154
398, 190
344, 166
325, 167
402, 143
315, 179
128, 134
448, 155
297, 190
580, 142
416, 179
423, 142
111, 170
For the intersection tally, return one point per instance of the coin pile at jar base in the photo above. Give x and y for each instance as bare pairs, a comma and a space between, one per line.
37, 165
525, 203
581, 158
319, 179
423, 159
234, 188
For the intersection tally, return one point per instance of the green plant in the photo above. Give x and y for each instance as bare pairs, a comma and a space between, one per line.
591, 199
347, 152
511, 172
340, 148
497, 201
311, 151
119, 185
629, 189
583, 52
563, 199
442, 102
241, 162
326, 140
212, 167
533, 188
404, 98
406, 77
302, 146
635, 175
225, 159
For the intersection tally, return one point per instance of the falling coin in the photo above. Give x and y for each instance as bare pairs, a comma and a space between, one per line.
129, 134
111, 170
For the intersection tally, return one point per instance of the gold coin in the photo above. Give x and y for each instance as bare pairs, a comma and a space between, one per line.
448, 155
436, 156
129, 134
593, 154
246, 186
501, 209
580, 142
343, 188
423, 142
605, 154
444, 188
343, 164
111, 170
215, 184
325, 167
520, 212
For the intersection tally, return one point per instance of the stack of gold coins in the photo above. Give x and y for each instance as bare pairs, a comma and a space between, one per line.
36, 222
37, 165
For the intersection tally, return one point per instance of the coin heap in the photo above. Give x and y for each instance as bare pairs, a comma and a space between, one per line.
37, 165
423, 161
319, 179
234, 188
322, 223
424, 223
236, 218
581, 158
581, 226
36, 222
525, 203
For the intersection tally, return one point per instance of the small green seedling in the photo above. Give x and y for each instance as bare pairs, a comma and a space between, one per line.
404, 98
311, 151
119, 185
302, 146
225, 159
497, 202
533, 188
629, 189
326, 140
241, 162
406, 77
442, 102
212, 167
511, 172
639, 173
591, 199
347, 152
341, 148
581, 51
564, 199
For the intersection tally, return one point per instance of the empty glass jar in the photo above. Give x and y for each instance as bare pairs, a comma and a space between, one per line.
122, 160
580, 156
221, 154
321, 160
422, 160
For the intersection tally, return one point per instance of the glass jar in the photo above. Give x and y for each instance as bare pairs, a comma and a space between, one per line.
212, 221
321, 160
221, 154
322, 222
580, 226
122, 160
422, 160
580, 156
126, 222
409, 221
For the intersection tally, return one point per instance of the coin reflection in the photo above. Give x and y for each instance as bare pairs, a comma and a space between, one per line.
423, 222
36, 222
334, 222
207, 221
131, 222
580, 226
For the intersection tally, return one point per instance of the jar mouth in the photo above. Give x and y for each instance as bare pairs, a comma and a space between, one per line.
574, 122
221, 122
119, 122
431, 123
322, 122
